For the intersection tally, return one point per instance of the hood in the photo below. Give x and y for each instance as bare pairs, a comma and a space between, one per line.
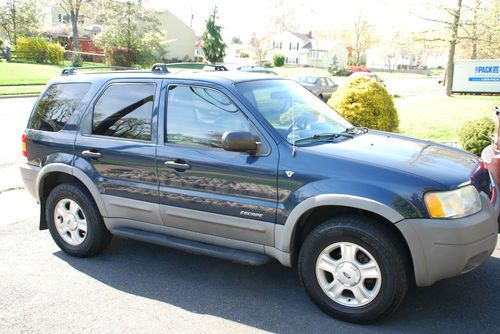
442, 164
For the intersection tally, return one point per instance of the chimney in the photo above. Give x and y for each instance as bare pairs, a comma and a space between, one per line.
310, 34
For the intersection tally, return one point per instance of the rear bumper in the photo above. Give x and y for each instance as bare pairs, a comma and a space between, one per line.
442, 248
29, 174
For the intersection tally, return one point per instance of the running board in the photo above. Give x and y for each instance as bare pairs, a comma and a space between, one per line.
194, 247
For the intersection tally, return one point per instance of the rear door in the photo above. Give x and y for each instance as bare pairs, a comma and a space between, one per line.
204, 188
116, 147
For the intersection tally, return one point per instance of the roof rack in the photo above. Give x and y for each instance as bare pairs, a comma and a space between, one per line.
72, 70
163, 67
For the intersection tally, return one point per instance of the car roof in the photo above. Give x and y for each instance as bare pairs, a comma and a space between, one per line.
220, 77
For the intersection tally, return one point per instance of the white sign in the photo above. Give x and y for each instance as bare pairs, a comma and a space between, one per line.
476, 76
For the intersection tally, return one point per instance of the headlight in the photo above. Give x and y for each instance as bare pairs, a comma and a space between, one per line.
456, 203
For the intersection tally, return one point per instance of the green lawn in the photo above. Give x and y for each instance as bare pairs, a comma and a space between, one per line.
439, 117
18, 90
27, 74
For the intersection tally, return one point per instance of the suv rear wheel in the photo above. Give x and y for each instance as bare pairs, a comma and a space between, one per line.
354, 269
74, 221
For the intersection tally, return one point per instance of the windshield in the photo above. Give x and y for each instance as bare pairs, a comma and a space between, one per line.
291, 109
308, 80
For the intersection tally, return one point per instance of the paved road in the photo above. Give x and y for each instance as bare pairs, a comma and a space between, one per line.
139, 288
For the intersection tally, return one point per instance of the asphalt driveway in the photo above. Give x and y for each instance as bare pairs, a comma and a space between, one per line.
139, 288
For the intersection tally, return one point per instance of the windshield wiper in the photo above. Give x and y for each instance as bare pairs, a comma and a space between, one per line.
357, 130
324, 136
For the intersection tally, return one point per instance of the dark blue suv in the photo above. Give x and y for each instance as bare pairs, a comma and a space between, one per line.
248, 167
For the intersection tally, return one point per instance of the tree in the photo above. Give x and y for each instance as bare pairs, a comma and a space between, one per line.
236, 40
479, 30
451, 24
259, 46
19, 18
132, 30
284, 17
362, 38
72, 9
213, 45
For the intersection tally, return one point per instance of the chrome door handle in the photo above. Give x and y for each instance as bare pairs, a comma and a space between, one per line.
176, 165
91, 154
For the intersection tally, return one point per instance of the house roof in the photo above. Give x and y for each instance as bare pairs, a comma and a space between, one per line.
304, 37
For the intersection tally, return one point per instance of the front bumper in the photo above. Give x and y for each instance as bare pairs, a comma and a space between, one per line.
442, 248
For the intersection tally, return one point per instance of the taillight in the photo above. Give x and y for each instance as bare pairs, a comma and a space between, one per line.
24, 146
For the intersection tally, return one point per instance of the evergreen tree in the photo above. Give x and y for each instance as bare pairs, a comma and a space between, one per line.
213, 45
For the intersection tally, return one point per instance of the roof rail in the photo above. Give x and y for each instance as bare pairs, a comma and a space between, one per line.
72, 70
163, 67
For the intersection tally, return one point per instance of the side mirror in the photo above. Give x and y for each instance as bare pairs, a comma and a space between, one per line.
239, 142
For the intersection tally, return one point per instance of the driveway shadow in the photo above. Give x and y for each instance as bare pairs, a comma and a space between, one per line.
271, 297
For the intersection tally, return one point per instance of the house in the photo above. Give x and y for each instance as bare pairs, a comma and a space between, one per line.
304, 50
391, 59
181, 37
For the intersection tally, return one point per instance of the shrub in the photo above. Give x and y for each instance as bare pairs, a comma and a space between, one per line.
55, 53
244, 55
365, 102
76, 60
278, 60
340, 72
120, 57
475, 135
267, 64
43, 50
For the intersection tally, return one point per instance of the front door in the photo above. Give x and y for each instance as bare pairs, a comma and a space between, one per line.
117, 149
204, 188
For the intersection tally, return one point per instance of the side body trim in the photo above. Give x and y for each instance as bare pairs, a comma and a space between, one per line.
284, 233
63, 168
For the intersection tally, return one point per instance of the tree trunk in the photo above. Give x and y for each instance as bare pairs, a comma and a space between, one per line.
14, 23
73, 14
475, 37
453, 44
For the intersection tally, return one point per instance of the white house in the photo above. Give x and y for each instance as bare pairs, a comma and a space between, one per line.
304, 50
390, 59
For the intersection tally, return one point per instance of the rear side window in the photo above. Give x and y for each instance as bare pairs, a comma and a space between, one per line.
57, 105
124, 110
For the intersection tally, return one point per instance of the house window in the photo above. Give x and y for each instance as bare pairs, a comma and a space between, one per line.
81, 20
281, 45
62, 18
297, 46
316, 55
290, 46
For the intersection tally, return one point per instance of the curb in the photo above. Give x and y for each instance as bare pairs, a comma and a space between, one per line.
18, 96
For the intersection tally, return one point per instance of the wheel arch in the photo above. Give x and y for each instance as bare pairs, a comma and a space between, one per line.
54, 174
313, 211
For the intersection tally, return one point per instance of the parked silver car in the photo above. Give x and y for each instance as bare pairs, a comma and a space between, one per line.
322, 87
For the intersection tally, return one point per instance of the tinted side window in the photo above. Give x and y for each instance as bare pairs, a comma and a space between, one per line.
125, 111
57, 105
200, 116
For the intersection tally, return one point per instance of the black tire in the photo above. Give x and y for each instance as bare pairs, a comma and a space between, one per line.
97, 237
320, 96
386, 250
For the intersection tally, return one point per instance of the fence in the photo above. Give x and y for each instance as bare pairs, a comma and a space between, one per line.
23, 55
86, 56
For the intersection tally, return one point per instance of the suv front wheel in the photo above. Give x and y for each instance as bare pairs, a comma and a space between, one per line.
74, 221
354, 269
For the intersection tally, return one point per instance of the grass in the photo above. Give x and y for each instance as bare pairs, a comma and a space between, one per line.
439, 117
27, 74
19, 90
